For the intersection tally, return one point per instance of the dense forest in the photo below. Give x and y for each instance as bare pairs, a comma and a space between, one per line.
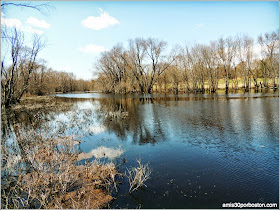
227, 63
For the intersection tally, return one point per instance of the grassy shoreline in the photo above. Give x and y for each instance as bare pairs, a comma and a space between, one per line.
39, 102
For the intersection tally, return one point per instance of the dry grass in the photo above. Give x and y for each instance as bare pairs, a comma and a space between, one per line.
47, 176
38, 102
138, 175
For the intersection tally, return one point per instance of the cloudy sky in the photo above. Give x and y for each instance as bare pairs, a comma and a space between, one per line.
76, 32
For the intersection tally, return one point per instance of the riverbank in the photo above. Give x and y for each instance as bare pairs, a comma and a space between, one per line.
38, 102
54, 102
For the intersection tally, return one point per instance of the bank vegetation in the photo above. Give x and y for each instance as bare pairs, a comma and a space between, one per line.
147, 66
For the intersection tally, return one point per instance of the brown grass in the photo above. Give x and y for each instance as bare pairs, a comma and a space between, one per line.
53, 178
138, 175
38, 102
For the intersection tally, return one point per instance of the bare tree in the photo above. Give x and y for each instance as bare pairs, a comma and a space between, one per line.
15, 77
184, 71
189, 62
245, 54
37, 85
137, 55
113, 66
159, 62
211, 63
148, 61
270, 55
226, 53
40, 7
147, 64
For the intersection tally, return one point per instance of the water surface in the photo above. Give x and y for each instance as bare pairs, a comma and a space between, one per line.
204, 150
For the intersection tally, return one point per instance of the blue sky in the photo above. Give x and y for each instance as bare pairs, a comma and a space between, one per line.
77, 31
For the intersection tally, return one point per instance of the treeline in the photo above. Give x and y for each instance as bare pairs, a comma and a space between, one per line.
45, 80
22, 73
228, 63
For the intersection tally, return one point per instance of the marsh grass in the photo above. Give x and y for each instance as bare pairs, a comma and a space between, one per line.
41, 172
41, 102
138, 175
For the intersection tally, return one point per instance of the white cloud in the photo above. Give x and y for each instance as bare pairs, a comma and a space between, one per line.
197, 26
91, 48
11, 22
38, 23
102, 152
32, 30
65, 67
257, 51
98, 129
104, 20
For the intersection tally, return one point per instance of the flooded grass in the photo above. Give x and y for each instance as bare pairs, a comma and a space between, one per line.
45, 174
40, 102
137, 176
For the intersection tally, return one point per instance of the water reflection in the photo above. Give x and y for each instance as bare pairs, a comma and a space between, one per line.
151, 120
134, 117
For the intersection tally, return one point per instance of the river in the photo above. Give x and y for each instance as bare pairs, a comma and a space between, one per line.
204, 150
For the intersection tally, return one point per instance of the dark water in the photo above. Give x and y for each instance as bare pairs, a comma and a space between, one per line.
204, 150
